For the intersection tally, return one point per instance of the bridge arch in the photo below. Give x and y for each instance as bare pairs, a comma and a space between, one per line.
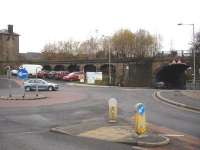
172, 75
90, 68
105, 69
105, 72
47, 67
59, 68
73, 68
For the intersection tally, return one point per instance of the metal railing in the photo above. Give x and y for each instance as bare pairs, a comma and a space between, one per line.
180, 53
191, 86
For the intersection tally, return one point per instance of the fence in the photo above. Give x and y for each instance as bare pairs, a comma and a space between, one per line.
191, 86
181, 53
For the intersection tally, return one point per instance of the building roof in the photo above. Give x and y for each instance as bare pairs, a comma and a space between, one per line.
5, 31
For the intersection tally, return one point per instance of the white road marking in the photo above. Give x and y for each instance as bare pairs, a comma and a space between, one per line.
172, 135
138, 148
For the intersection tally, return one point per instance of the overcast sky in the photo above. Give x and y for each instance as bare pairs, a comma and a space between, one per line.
42, 21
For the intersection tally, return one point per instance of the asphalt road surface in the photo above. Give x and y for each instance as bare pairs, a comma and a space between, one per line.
27, 128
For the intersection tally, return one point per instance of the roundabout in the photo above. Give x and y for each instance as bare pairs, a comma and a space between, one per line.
19, 97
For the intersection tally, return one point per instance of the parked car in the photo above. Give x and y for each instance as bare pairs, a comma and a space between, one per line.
160, 85
59, 75
74, 76
51, 75
32, 69
14, 72
32, 84
42, 74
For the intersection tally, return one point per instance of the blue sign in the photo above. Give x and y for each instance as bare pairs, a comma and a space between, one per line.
140, 109
22, 74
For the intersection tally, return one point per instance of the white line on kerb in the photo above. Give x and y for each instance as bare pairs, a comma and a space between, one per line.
175, 106
172, 135
138, 148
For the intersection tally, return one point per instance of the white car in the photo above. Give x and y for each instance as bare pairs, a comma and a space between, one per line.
160, 85
14, 72
32, 69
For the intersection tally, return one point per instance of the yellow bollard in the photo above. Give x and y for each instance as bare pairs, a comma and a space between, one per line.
139, 119
112, 110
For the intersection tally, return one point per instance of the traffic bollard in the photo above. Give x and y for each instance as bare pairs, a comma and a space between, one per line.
112, 110
139, 119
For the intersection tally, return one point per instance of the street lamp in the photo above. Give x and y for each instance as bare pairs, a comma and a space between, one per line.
109, 59
194, 53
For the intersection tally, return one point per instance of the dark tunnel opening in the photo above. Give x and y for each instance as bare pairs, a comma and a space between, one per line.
90, 68
172, 75
73, 68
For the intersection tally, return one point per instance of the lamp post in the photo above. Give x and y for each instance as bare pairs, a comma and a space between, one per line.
194, 53
109, 60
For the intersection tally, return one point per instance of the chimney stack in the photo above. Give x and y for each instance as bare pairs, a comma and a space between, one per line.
10, 28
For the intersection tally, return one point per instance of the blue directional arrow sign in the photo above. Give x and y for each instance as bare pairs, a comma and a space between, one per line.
140, 109
22, 74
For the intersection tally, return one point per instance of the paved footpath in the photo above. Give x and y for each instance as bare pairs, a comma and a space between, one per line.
189, 98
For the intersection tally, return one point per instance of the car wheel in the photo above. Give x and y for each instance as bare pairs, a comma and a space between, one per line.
50, 88
28, 88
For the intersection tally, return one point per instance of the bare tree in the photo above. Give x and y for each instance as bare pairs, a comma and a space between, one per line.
139, 44
196, 44
123, 44
146, 44
60, 50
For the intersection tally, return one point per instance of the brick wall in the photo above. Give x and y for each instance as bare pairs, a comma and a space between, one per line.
9, 47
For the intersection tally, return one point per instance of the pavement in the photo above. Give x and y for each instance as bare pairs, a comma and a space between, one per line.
189, 99
4, 83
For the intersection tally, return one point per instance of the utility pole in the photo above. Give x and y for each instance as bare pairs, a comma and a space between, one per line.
194, 54
109, 60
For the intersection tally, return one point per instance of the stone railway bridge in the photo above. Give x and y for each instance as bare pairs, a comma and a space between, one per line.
128, 72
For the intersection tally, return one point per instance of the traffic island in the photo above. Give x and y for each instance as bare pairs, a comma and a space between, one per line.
26, 97
150, 140
118, 132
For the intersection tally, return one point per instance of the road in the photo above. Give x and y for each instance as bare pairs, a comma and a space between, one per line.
27, 127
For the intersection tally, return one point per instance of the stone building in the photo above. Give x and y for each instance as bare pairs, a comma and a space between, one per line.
9, 44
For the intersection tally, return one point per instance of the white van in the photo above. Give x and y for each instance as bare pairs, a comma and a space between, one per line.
32, 69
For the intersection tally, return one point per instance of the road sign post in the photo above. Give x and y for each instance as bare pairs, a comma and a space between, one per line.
9, 78
23, 75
